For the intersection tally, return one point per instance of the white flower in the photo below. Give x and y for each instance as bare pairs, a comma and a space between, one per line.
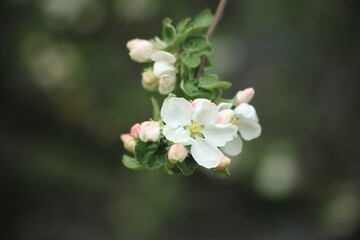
140, 50
246, 120
163, 63
196, 126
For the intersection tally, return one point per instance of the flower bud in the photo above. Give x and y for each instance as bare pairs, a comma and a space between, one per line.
129, 142
225, 116
225, 161
134, 131
163, 68
244, 96
149, 81
167, 84
149, 131
177, 153
140, 50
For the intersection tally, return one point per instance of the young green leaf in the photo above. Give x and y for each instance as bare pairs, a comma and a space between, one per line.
196, 43
150, 155
168, 31
131, 163
203, 19
183, 25
222, 173
190, 59
210, 82
187, 167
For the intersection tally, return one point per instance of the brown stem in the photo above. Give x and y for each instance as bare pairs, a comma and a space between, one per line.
218, 14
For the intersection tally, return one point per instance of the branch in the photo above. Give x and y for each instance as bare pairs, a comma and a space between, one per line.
218, 14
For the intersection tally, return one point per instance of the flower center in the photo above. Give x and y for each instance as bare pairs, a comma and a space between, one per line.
234, 120
195, 129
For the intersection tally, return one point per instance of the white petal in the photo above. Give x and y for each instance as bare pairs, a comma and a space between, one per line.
205, 113
176, 112
234, 147
219, 134
245, 110
163, 56
178, 135
223, 106
249, 129
163, 68
205, 153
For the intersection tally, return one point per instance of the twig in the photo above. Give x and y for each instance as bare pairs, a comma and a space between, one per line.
218, 14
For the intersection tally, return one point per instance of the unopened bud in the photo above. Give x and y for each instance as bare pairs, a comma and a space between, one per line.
149, 131
167, 84
140, 50
177, 153
244, 96
225, 116
129, 142
134, 131
149, 81
225, 162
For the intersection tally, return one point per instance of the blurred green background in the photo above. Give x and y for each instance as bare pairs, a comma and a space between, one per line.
69, 89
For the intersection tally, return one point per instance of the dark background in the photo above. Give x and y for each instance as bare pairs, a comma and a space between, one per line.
69, 89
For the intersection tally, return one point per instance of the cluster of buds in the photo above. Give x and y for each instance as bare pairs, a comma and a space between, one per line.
162, 76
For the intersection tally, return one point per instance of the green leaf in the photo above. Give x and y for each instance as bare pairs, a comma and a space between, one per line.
183, 25
156, 109
190, 59
191, 89
131, 163
168, 31
196, 43
203, 19
222, 173
207, 64
210, 82
187, 167
150, 155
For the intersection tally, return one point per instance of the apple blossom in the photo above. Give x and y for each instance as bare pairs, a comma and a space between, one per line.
140, 50
134, 131
225, 162
246, 120
244, 96
167, 84
149, 131
196, 127
225, 116
129, 142
177, 153
149, 81
163, 65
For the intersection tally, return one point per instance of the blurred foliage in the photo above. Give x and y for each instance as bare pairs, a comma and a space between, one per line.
69, 89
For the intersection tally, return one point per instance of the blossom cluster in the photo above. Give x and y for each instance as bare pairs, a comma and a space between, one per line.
194, 126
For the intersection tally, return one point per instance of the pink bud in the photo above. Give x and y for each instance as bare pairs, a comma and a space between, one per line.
244, 96
167, 84
149, 131
225, 116
140, 50
134, 131
225, 161
149, 81
129, 142
177, 153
